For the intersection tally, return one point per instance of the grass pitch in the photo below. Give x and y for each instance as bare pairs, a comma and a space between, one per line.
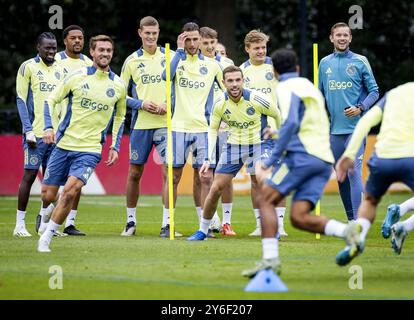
104, 265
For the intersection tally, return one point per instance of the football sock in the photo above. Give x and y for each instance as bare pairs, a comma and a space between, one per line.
270, 248
409, 223
199, 212
52, 227
257, 215
42, 207
335, 228
366, 224
70, 220
226, 209
20, 216
131, 215
204, 225
165, 216
280, 213
406, 206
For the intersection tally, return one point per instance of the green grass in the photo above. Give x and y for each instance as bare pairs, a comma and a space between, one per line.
104, 265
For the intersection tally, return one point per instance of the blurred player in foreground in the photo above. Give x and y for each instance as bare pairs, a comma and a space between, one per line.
392, 161
302, 161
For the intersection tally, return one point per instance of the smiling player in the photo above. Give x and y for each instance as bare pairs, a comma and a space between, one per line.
96, 98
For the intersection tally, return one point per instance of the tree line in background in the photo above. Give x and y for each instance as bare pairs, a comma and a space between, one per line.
387, 37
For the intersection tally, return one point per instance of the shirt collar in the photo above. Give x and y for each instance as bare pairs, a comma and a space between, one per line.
345, 53
93, 70
288, 75
149, 54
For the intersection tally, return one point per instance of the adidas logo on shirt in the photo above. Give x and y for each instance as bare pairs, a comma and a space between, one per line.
85, 89
328, 71
39, 73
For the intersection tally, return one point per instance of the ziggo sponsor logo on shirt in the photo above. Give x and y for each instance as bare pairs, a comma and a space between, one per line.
240, 125
148, 78
337, 85
264, 90
185, 83
92, 105
44, 86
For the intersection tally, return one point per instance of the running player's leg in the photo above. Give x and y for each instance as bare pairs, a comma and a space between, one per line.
75, 168
269, 199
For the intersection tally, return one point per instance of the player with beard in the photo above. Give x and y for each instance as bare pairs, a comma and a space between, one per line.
193, 76
244, 111
96, 98
209, 38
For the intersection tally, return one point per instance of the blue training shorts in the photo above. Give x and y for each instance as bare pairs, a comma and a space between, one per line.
303, 173
64, 163
384, 172
221, 143
141, 142
38, 156
234, 156
184, 142
267, 148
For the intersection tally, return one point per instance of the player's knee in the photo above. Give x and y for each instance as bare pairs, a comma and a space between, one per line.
29, 176
268, 196
135, 172
69, 194
165, 175
46, 195
176, 178
372, 200
296, 219
216, 189
206, 180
